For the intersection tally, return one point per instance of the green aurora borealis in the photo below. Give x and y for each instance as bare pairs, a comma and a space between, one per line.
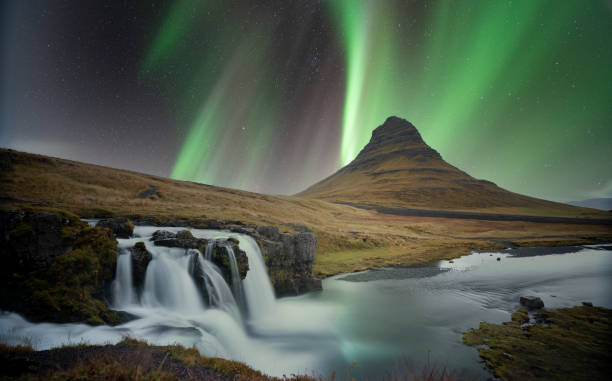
273, 96
517, 92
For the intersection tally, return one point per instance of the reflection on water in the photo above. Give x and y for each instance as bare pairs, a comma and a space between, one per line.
375, 318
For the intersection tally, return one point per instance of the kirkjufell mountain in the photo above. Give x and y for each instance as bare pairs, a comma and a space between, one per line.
397, 168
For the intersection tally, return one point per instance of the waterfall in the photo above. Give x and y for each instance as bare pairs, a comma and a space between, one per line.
219, 294
185, 299
209, 247
122, 287
168, 283
236, 282
187, 281
257, 286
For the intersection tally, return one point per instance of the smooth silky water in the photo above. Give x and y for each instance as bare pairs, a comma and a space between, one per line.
381, 320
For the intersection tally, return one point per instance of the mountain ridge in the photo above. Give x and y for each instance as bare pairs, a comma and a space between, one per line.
398, 169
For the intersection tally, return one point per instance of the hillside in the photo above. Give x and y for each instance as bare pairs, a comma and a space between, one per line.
397, 168
348, 238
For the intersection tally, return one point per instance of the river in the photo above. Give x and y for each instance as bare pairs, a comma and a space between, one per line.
380, 321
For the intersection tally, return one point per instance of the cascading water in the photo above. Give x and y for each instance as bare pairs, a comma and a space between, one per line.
219, 295
123, 291
209, 247
236, 282
185, 299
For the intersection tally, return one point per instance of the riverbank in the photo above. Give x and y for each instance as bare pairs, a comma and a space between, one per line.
564, 344
322, 332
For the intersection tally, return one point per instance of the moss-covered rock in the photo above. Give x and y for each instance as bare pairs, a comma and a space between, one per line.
119, 226
66, 281
565, 344
289, 259
140, 260
220, 256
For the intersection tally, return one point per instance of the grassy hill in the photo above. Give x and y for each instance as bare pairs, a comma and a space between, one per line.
348, 238
397, 168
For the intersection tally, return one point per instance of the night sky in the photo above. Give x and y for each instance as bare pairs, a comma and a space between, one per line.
272, 96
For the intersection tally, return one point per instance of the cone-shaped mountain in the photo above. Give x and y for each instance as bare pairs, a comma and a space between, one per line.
397, 168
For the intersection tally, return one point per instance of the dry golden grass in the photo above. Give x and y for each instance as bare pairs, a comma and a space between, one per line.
348, 238
397, 171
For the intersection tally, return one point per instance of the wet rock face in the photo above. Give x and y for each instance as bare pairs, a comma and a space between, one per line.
289, 259
219, 256
532, 302
183, 239
31, 241
120, 226
140, 260
268, 232
53, 267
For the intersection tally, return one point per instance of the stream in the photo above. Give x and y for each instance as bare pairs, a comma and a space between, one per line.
380, 320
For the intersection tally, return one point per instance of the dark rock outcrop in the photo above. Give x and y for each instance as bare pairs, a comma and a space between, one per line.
269, 232
140, 260
120, 226
54, 267
289, 259
532, 302
182, 239
31, 241
219, 256
288, 256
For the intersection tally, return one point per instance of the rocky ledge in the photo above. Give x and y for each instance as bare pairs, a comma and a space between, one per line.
53, 267
289, 257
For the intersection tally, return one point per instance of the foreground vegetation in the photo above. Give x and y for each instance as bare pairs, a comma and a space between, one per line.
134, 360
565, 344
349, 239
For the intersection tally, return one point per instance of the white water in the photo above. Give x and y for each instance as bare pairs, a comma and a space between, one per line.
123, 295
374, 320
171, 309
236, 281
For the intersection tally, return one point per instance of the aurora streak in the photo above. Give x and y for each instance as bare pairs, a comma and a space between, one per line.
274, 96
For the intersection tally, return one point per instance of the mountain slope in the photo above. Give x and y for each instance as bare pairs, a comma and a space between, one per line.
397, 168
595, 203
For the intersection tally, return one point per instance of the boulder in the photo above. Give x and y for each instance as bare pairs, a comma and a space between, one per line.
32, 241
54, 267
268, 232
220, 257
531, 302
182, 239
289, 259
120, 226
140, 260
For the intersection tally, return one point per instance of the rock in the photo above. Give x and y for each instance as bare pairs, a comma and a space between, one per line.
120, 226
152, 193
268, 232
587, 304
532, 302
498, 258
240, 229
140, 260
300, 228
289, 260
54, 267
220, 257
150, 221
32, 241
182, 239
